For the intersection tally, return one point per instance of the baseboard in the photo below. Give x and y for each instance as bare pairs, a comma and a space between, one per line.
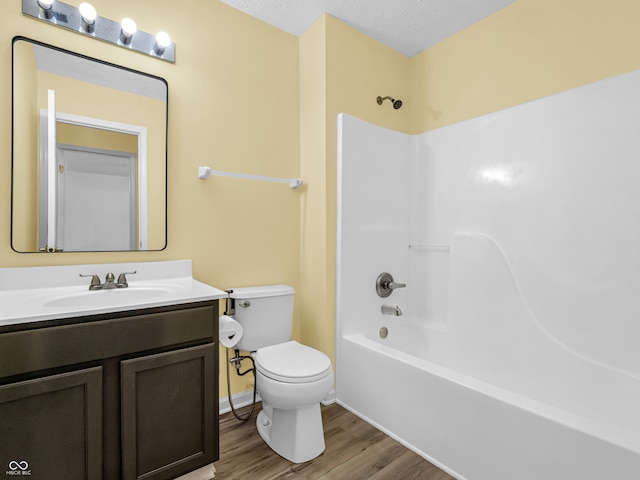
204, 473
239, 400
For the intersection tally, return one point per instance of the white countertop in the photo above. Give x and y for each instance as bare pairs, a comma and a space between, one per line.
33, 294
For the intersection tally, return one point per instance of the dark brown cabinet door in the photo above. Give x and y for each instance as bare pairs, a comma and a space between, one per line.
168, 417
51, 427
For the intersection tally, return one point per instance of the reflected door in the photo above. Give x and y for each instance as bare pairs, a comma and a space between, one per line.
96, 199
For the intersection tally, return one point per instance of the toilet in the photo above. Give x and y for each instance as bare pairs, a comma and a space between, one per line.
291, 378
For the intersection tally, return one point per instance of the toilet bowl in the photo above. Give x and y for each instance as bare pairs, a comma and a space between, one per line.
292, 379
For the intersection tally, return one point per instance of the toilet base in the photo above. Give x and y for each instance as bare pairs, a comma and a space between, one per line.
295, 434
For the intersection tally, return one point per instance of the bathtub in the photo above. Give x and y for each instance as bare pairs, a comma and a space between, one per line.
471, 429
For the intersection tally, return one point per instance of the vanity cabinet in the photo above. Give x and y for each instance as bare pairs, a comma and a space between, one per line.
131, 395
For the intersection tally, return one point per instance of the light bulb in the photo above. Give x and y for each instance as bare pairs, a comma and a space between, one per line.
47, 8
163, 40
128, 29
89, 16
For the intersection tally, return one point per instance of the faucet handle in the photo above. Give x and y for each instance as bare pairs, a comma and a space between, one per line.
385, 285
122, 279
96, 284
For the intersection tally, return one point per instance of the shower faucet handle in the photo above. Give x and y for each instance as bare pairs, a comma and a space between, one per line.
385, 285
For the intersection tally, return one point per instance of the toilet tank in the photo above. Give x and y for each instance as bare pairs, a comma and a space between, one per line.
265, 313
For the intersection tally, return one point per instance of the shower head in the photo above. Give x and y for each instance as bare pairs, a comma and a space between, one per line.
396, 103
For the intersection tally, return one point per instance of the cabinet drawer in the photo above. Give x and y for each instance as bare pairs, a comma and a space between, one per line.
91, 339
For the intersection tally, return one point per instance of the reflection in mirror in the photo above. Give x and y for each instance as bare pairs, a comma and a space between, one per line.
89, 154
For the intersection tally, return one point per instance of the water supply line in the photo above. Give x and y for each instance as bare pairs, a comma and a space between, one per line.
237, 363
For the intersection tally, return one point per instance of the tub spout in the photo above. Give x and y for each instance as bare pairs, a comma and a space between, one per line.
391, 310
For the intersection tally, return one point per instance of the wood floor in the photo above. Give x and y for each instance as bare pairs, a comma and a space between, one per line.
354, 450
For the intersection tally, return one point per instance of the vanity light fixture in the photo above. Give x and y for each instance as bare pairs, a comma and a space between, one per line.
128, 28
88, 14
163, 40
85, 21
47, 8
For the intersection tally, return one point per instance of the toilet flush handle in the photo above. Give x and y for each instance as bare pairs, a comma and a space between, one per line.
246, 303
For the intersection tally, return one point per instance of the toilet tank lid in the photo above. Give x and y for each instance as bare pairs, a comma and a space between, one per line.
261, 292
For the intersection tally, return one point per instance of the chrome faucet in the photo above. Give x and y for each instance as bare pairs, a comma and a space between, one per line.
391, 310
109, 281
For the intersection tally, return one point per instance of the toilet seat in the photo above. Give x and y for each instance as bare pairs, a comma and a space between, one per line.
291, 362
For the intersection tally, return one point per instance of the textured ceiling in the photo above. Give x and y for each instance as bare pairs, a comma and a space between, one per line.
408, 26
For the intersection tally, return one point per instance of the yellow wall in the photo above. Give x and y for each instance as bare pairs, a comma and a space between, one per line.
96, 138
341, 70
528, 50
316, 307
233, 105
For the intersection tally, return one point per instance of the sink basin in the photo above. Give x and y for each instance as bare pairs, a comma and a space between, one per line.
111, 297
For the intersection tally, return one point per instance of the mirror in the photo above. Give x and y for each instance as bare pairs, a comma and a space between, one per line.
89, 169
